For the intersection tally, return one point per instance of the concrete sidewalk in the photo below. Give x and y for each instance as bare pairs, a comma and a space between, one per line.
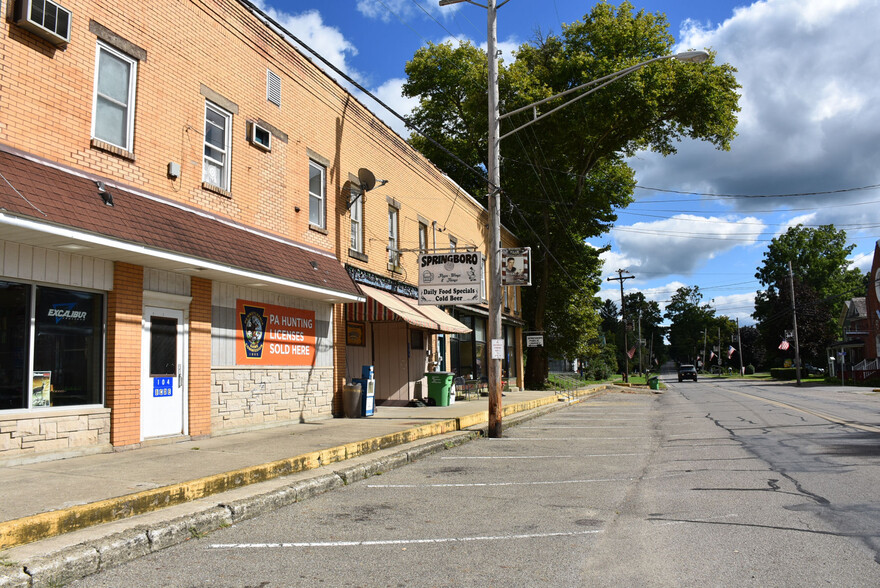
56, 505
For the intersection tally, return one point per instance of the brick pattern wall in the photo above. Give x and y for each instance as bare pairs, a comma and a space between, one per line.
123, 387
200, 358
244, 398
339, 357
31, 434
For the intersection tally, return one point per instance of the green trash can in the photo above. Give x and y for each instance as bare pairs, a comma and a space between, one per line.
654, 383
439, 384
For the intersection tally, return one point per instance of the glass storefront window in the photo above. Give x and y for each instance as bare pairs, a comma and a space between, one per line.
68, 348
66, 352
14, 344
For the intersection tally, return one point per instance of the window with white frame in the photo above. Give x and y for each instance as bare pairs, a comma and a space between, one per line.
453, 243
317, 194
357, 220
423, 237
393, 242
218, 127
115, 80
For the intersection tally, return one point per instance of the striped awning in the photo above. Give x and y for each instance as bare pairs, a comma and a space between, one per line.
384, 306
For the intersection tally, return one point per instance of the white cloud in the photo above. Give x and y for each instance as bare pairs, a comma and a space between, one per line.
862, 262
680, 245
391, 94
810, 109
736, 306
327, 41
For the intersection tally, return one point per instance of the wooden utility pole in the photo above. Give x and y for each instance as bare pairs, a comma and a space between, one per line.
739, 341
797, 351
622, 278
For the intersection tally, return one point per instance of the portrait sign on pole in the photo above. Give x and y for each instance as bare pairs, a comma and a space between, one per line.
516, 267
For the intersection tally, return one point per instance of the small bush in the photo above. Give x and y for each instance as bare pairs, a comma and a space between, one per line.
750, 369
783, 373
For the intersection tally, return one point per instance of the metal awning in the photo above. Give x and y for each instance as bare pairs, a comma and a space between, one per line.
380, 303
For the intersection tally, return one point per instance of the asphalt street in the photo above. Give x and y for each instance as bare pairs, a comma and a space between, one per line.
715, 483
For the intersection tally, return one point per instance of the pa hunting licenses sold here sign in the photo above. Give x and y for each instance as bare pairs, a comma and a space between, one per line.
451, 278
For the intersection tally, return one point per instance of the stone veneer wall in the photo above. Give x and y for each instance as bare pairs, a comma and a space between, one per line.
250, 398
46, 434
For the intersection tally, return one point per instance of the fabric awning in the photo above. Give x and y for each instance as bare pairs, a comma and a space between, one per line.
446, 324
381, 303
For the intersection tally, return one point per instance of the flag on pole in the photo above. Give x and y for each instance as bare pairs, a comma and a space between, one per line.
784, 345
656, 362
711, 355
730, 352
631, 352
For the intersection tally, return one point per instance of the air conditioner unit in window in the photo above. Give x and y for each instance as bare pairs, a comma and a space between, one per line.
45, 19
259, 136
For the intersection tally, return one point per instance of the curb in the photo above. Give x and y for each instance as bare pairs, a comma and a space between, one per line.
76, 562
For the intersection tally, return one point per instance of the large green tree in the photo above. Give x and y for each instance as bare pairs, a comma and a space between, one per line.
823, 281
564, 177
689, 319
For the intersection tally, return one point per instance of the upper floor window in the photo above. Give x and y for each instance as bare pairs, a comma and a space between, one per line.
218, 126
317, 194
423, 237
113, 117
393, 242
453, 243
357, 220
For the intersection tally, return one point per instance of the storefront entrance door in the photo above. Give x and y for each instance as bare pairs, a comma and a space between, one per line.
163, 373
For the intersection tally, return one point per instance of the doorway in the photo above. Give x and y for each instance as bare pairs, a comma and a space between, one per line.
163, 373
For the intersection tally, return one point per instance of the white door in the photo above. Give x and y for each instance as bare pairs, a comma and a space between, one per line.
163, 373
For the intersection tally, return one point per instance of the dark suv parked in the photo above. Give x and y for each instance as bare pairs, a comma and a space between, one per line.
687, 372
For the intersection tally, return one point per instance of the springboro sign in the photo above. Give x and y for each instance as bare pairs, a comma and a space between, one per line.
451, 278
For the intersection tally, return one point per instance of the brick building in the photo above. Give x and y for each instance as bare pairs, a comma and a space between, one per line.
176, 231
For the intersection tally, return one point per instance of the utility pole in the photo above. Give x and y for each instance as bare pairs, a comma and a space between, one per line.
739, 341
640, 342
622, 278
797, 351
704, 347
719, 349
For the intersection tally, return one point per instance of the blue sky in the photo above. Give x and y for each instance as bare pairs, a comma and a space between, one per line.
810, 123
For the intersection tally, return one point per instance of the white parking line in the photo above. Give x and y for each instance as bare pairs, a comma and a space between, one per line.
546, 456
486, 484
398, 541
580, 427
562, 438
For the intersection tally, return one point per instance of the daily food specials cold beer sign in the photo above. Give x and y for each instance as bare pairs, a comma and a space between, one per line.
450, 278
267, 334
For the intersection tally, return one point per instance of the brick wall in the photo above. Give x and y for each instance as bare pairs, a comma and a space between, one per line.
243, 398
123, 387
200, 358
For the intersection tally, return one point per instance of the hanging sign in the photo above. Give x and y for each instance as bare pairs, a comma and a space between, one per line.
450, 278
516, 267
267, 334
534, 340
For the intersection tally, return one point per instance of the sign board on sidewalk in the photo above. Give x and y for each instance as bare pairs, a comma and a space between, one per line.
516, 267
451, 278
534, 340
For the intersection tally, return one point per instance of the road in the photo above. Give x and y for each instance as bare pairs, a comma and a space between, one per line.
715, 483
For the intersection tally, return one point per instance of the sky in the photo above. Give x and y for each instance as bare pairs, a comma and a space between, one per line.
807, 149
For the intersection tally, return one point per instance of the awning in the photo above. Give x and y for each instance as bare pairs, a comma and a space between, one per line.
383, 306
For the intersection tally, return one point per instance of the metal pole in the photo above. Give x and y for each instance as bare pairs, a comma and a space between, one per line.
494, 245
797, 352
640, 341
704, 348
719, 350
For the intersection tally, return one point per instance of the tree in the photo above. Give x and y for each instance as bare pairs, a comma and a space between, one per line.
823, 281
689, 319
564, 176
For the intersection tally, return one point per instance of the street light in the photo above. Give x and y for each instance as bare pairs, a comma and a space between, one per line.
494, 175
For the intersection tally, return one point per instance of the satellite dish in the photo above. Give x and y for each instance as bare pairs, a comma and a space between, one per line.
367, 179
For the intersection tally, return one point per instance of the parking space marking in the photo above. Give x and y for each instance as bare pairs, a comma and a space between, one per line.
546, 456
581, 427
489, 484
563, 438
399, 541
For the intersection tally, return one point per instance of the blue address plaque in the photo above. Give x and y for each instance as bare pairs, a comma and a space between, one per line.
163, 387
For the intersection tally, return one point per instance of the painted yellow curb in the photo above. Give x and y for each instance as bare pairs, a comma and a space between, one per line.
50, 524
